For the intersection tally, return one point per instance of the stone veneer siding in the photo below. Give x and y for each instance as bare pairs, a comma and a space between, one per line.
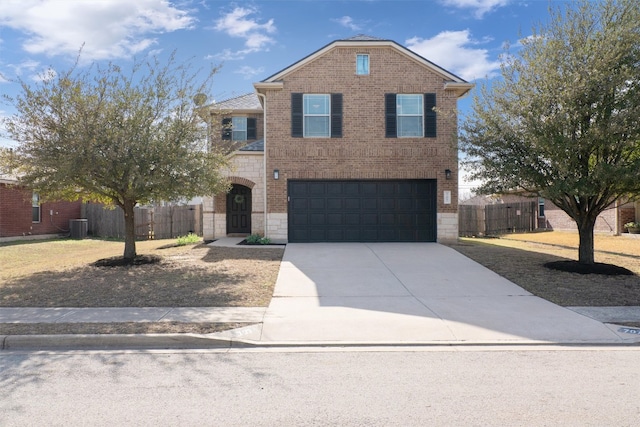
248, 170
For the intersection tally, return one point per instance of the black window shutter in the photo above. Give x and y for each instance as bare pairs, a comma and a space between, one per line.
296, 115
251, 128
430, 115
336, 115
390, 115
226, 129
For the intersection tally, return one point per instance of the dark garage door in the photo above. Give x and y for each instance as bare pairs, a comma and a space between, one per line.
362, 211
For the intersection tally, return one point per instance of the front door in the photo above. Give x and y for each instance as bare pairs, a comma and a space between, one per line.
239, 210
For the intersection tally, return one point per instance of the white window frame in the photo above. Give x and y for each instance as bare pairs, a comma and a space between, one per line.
35, 204
238, 128
362, 67
306, 114
400, 114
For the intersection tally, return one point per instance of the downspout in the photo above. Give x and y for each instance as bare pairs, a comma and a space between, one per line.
264, 158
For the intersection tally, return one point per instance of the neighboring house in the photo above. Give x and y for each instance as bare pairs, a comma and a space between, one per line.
22, 214
355, 142
551, 217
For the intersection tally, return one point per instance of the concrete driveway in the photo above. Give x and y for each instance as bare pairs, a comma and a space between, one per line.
410, 293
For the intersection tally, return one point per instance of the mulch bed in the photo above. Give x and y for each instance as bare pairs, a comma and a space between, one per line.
595, 268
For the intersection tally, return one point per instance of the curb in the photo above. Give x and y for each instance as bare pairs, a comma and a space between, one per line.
196, 341
112, 341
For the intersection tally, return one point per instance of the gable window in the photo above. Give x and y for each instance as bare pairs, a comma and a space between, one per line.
362, 64
316, 115
410, 115
239, 129
35, 208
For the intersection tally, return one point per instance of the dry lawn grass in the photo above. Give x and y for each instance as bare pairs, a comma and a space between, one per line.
520, 258
59, 274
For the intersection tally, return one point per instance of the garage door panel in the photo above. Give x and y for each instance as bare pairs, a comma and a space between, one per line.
369, 204
387, 219
362, 211
334, 219
317, 203
351, 204
335, 204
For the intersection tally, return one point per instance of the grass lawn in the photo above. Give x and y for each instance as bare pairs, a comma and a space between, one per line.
520, 258
58, 273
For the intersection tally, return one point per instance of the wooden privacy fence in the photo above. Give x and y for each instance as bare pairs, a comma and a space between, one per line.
491, 220
164, 222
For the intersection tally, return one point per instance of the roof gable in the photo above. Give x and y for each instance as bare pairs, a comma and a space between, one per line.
362, 40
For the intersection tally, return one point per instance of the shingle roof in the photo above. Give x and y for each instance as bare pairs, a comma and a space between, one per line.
363, 38
247, 101
254, 146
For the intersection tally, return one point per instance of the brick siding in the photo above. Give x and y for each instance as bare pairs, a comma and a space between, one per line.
363, 152
16, 214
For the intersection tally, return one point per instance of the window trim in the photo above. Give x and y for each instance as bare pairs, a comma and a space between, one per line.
305, 115
399, 115
365, 70
240, 120
35, 206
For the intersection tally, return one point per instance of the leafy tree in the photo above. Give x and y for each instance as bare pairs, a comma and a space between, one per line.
115, 136
563, 122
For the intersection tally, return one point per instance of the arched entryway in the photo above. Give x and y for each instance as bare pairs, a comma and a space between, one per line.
239, 210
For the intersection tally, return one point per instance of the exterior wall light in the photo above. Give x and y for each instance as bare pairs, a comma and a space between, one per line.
447, 173
276, 174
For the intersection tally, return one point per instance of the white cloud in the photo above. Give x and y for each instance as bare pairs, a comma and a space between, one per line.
29, 65
481, 7
454, 51
108, 29
249, 72
239, 23
348, 22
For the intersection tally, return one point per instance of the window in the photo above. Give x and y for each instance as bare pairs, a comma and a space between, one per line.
35, 208
239, 129
362, 64
410, 115
540, 206
316, 115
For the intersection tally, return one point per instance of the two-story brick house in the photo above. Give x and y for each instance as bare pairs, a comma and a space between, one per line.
357, 143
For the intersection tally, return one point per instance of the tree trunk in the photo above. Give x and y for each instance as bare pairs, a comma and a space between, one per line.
585, 250
129, 230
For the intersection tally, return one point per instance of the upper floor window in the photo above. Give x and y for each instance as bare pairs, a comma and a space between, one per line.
316, 115
239, 129
35, 208
410, 115
362, 64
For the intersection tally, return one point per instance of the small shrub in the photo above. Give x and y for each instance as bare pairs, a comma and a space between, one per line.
188, 239
256, 239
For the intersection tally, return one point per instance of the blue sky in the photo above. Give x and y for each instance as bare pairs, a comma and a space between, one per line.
252, 40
